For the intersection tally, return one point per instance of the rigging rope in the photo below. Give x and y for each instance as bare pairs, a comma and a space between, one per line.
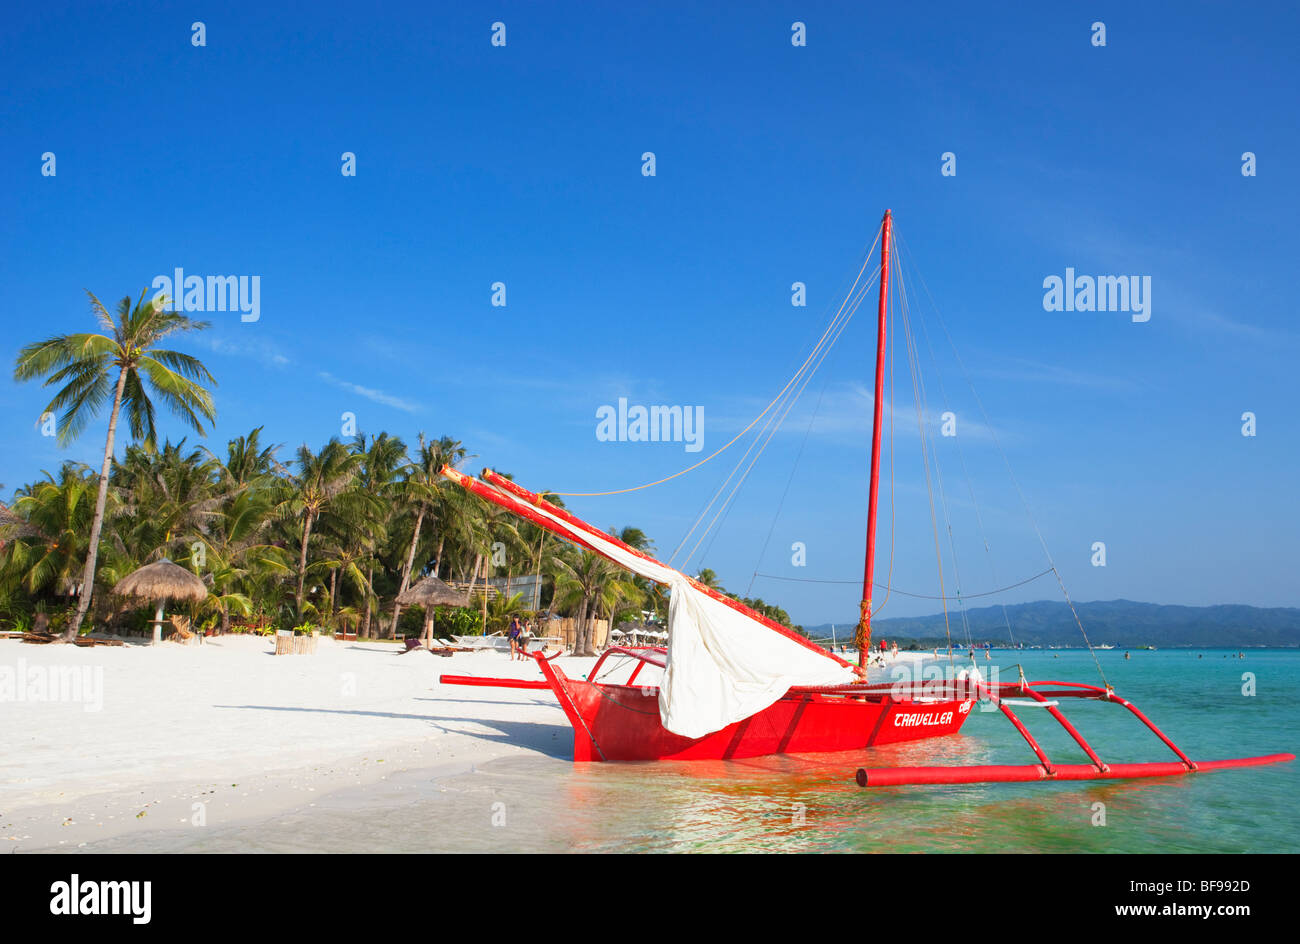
924, 407
1007, 462
774, 424
925, 458
776, 516
918, 596
753, 422
892, 516
970, 485
842, 317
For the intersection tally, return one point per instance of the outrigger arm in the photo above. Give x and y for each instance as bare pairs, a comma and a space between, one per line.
1002, 695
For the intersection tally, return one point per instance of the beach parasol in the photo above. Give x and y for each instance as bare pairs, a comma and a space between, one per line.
161, 581
428, 593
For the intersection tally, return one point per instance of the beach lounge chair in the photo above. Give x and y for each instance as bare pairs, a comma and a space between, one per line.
413, 643
181, 630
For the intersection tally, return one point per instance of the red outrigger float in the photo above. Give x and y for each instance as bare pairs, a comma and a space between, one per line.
621, 721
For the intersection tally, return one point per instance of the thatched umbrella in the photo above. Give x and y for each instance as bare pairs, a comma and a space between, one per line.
428, 593
162, 581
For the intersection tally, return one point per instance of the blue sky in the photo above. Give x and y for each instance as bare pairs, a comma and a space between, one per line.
522, 164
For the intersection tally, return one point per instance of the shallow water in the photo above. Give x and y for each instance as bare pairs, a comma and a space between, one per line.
811, 803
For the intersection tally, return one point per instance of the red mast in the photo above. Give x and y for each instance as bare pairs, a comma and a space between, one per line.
864, 619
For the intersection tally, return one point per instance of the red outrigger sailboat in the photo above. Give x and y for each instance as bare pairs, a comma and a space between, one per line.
623, 721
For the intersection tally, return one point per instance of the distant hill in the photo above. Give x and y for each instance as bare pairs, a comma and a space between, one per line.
1122, 623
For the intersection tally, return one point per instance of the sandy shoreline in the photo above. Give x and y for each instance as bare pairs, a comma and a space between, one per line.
110, 743
188, 736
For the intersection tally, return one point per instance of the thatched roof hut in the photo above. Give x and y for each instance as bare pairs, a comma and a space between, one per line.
162, 580
431, 592
13, 526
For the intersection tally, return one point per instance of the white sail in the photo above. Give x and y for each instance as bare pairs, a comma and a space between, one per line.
723, 666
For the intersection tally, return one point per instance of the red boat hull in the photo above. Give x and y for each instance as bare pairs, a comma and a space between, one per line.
621, 722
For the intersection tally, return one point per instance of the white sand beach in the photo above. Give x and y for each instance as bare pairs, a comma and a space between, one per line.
151, 731
104, 742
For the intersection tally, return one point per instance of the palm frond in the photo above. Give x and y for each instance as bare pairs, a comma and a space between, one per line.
182, 396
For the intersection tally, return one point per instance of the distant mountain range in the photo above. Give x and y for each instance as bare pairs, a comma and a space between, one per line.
1120, 623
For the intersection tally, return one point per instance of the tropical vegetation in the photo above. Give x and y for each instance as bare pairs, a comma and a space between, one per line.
328, 536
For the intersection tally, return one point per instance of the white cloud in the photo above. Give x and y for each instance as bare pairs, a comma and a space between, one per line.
370, 393
265, 353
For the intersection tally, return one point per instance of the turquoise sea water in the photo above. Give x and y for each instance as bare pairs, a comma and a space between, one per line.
811, 803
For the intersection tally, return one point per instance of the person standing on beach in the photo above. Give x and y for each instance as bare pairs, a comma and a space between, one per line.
514, 632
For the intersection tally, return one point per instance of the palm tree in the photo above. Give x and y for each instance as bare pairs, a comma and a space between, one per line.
248, 461
84, 363
382, 457
648, 591
536, 556
501, 609
236, 551
325, 481
591, 584
45, 533
424, 490
709, 579
167, 500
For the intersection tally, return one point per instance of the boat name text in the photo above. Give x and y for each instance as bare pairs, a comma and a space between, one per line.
927, 718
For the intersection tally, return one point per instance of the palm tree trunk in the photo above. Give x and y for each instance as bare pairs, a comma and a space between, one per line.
437, 558
334, 600
472, 582
537, 584
370, 586
302, 563
581, 641
97, 525
477, 560
410, 561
